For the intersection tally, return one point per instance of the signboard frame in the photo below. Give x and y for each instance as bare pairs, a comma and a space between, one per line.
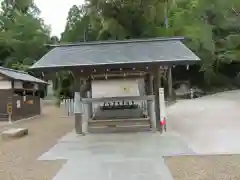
9, 108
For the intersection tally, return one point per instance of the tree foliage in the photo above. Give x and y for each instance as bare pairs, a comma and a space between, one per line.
22, 34
212, 27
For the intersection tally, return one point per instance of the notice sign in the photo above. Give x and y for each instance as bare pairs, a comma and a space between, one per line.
18, 104
9, 108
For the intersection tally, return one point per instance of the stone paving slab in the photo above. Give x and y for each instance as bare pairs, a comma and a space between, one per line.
115, 156
14, 133
135, 169
210, 125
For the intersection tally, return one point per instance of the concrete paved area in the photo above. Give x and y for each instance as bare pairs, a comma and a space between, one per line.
210, 125
115, 156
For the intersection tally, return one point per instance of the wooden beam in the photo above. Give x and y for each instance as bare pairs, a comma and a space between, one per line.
117, 98
169, 82
89, 95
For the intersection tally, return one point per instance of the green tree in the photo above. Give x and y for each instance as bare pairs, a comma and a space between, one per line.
212, 27
22, 34
121, 19
78, 27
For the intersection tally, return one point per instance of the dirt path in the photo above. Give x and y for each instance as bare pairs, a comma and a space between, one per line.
214, 167
18, 158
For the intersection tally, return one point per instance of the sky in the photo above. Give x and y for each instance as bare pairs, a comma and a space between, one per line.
55, 12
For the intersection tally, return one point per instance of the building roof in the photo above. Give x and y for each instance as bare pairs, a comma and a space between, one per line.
157, 50
20, 75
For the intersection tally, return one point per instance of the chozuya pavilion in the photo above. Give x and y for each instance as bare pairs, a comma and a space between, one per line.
117, 82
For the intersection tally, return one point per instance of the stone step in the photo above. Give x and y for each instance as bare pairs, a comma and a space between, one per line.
118, 114
119, 122
117, 129
119, 125
14, 133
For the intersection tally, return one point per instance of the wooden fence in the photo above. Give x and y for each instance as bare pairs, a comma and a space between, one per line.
68, 105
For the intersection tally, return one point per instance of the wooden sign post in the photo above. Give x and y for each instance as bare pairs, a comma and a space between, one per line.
163, 115
9, 111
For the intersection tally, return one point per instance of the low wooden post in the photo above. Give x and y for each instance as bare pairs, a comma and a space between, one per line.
163, 118
77, 107
68, 106
86, 117
152, 115
9, 110
89, 95
191, 93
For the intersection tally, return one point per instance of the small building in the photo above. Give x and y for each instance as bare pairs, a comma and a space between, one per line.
115, 80
19, 94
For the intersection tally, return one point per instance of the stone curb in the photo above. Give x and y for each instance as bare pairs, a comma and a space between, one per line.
21, 120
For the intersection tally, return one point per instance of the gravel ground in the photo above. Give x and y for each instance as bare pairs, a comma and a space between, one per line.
18, 157
217, 167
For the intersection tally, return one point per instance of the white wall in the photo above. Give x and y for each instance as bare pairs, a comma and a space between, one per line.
5, 84
36, 86
18, 85
115, 88
50, 93
112, 88
50, 88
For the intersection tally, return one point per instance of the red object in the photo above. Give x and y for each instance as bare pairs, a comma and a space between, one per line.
163, 122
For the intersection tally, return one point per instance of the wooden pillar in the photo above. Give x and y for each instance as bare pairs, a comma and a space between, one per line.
151, 104
157, 82
149, 81
89, 95
149, 89
150, 86
170, 82
86, 118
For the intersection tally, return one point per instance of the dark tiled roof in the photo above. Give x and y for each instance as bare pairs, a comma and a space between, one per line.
20, 75
118, 52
